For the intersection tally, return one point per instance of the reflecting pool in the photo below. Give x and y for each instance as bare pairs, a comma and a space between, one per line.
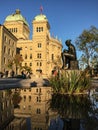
58, 112
78, 112
38, 108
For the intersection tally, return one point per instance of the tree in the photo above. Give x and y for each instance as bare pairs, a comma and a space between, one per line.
95, 65
27, 69
87, 42
57, 62
10, 64
15, 62
16, 98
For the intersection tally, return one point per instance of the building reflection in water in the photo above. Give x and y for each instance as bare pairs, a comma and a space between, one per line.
48, 111
34, 104
6, 110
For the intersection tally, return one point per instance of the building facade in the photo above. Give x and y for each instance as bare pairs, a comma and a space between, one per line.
7, 47
6, 110
42, 51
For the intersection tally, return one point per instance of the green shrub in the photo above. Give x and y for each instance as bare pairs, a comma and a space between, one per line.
70, 82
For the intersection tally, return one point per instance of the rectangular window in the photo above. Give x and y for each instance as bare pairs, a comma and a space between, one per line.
30, 64
4, 49
39, 45
39, 99
39, 29
25, 64
5, 39
52, 57
25, 56
37, 63
30, 56
42, 29
39, 55
38, 111
4, 60
25, 48
24, 90
9, 41
40, 90
16, 30
29, 98
37, 90
40, 63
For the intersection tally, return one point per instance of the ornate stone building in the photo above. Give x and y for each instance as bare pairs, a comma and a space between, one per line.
6, 110
7, 47
43, 50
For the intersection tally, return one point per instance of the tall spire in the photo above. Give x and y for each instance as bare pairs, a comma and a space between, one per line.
41, 9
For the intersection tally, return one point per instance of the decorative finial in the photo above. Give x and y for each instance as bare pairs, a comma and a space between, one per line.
41, 9
17, 11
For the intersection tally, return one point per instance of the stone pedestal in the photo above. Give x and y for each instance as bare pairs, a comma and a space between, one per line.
74, 65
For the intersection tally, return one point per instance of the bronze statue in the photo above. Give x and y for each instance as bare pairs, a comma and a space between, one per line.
69, 55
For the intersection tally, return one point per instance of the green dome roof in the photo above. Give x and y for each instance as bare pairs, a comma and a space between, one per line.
41, 17
16, 17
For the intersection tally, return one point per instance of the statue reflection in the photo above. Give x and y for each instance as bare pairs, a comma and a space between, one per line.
72, 110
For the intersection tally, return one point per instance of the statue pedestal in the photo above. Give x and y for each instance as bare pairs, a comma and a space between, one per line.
74, 65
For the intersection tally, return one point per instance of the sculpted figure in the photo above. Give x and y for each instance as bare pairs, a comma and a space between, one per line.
68, 55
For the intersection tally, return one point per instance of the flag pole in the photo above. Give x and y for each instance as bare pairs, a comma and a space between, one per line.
41, 9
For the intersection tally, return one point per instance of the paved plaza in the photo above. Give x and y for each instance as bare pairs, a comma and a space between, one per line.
7, 83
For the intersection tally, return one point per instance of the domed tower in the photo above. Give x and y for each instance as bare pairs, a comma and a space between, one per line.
40, 39
41, 26
18, 25
45, 48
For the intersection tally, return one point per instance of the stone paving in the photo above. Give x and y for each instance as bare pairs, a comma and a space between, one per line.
7, 83
11, 83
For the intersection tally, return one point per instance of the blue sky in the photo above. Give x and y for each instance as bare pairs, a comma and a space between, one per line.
67, 18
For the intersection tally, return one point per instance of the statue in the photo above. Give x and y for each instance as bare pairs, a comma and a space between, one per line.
69, 56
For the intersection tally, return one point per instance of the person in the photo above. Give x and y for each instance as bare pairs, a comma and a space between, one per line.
23, 75
6, 74
1, 74
28, 75
12, 73
68, 55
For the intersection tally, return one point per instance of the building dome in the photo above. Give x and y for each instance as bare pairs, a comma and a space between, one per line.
16, 17
41, 17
